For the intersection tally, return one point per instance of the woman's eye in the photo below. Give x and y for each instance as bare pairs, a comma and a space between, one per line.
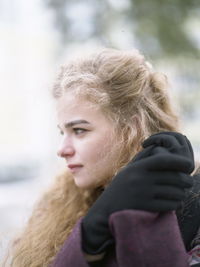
61, 132
79, 130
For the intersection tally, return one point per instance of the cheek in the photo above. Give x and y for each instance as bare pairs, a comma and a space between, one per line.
101, 155
92, 153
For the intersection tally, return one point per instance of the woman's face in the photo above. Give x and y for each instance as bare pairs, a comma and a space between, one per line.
88, 141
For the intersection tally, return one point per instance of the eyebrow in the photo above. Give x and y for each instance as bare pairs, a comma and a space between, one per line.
72, 123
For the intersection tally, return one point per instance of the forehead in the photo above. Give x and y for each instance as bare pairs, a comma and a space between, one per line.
70, 107
70, 103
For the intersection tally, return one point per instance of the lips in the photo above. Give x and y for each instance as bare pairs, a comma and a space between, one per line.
74, 167
71, 166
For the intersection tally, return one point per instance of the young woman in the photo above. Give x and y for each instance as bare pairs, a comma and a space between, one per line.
114, 203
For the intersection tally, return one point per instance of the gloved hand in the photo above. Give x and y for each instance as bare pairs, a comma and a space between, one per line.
174, 142
154, 181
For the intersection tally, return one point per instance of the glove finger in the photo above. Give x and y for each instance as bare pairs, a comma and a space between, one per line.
167, 139
186, 147
185, 152
143, 154
190, 147
162, 205
182, 139
162, 150
167, 161
161, 139
178, 179
169, 192
159, 149
148, 151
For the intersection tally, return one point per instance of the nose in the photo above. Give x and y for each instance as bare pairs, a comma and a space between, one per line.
66, 149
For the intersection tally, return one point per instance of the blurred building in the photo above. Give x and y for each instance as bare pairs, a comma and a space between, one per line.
27, 64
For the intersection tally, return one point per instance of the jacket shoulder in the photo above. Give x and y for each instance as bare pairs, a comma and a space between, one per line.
188, 214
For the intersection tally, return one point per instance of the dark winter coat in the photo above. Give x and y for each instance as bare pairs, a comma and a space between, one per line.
144, 239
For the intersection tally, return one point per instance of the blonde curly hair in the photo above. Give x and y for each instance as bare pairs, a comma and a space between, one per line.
125, 87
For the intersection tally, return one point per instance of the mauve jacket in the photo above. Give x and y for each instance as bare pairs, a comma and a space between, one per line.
142, 239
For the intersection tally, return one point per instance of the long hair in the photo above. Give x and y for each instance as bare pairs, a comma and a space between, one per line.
129, 93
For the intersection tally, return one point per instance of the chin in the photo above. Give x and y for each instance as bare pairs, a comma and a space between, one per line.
82, 184
87, 181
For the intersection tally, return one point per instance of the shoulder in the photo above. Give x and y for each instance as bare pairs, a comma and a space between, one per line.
188, 214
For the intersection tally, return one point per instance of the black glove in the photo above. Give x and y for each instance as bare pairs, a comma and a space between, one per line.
154, 181
174, 142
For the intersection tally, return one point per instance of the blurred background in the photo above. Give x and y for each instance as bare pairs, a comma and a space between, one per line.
36, 36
